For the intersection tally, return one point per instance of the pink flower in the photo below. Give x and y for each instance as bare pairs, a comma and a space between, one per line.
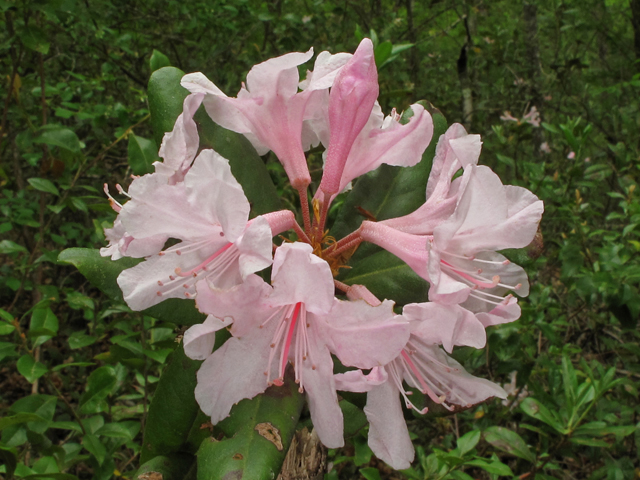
455, 150
351, 101
269, 110
208, 213
489, 216
296, 321
425, 367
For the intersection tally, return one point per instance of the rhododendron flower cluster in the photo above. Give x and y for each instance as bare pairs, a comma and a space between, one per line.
303, 318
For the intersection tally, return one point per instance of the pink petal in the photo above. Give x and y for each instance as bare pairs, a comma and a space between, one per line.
506, 312
319, 385
255, 247
412, 249
356, 381
217, 195
445, 325
242, 304
300, 276
325, 69
198, 340
155, 279
388, 434
180, 146
364, 336
390, 143
233, 372
351, 100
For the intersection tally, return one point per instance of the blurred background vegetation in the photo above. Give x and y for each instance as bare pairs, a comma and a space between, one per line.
553, 87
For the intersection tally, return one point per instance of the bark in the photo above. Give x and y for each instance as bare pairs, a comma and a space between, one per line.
306, 458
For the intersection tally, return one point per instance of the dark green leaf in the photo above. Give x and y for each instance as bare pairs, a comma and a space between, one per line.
495, 467
35, 39
99, 386
165, 100
171, 467
158, 60
7, 246
8, 458
30, 369
102, 272
388, 277
173, 408
142, 153
57, 136
354, 418
510, 442
537, 410
95, 447
19, 418
42, 405
370, 473
43, 325
468, 441
382, 52
262, 427
43, 185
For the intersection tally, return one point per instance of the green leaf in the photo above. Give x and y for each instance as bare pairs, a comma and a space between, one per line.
388, 277
7, 247
95, 447
173, 408
57, 136
468, 441
102, 272
126, 430
590, 442
382, 52
43, 185
8, 458
495, 467
537, 410
354, 418
166, 97
42, 405
53, 476
43, 325
262, 429
171, 467
80, 341
158, 60
142, 153
510, 442
35, 39
370, 473
99, 386
30, 369
19, 418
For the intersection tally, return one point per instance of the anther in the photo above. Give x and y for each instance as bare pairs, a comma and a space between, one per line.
273, 345
160, 254
178, 252
171, 277
160, 284
313, 367
187, 294
184, 285
222, 234
159, 294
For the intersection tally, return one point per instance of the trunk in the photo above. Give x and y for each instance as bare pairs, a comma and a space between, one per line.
530, 16
635, 21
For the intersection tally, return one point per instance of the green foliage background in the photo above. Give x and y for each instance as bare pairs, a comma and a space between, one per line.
78, 369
